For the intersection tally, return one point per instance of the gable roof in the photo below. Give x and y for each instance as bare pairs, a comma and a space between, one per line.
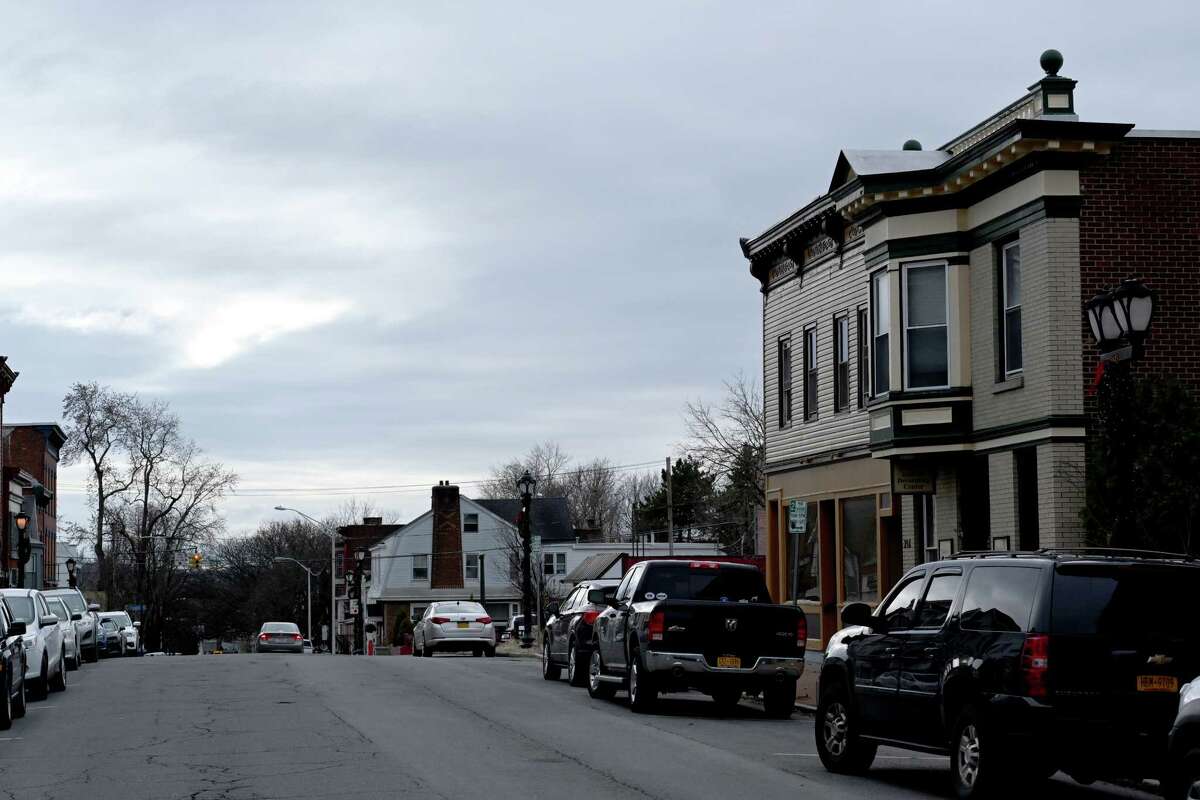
551, 516
862, 163
593, 567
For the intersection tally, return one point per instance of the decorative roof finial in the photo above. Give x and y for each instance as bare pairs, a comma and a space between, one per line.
1052, 61
912, 144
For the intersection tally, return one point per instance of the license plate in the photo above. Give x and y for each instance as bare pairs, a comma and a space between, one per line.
1157, 683
464, 624
729, 662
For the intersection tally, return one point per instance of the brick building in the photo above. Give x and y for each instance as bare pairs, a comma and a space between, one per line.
926, 361
30, 484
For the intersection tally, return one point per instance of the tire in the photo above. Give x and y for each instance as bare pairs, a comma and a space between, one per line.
490, 652
550, 670
727, 699
42, 690
643, 689
779, 699
576, 676
838, 744
76, 662
59, 682
598, 689
94, 654
20, 705
1183, 776
6, 705
477, 652
977, 764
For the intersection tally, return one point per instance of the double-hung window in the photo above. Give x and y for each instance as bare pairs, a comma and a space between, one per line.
881, 321
420, 568
471, 523
926, 357
863, 367
1010, 280
841, 363
554, 564
810, 374
785, 382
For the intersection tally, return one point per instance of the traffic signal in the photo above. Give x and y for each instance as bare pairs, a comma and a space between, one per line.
194, 560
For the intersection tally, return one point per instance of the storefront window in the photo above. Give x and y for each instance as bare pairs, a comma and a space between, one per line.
803, 553
860, 554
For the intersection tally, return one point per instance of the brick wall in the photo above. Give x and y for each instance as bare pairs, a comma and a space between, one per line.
1002, 494
1061, 491
1141, 218
446, 571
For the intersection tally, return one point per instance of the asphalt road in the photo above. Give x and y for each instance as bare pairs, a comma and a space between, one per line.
247, 726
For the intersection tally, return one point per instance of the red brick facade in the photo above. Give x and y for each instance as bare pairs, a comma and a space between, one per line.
34, 448
447, 569
1140, 218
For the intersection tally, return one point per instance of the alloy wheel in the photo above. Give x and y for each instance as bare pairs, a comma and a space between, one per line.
594, 671
633, 682
968, 756
835, 729
571, 665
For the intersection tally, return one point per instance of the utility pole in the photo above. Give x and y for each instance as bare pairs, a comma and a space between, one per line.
483, 580
670, 514
526, 486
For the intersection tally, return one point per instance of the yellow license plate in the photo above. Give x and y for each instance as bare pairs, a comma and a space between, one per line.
464, 624
1157, 683
729, 662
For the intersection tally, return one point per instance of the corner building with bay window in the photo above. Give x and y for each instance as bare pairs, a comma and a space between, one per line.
926, 362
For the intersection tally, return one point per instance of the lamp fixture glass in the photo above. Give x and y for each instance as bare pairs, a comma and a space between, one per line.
22, 520
70, 566
362, 554
526, 484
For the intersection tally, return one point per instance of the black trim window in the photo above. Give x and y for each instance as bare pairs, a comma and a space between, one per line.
420, 568
784, 368
864, 358
926, 351
1010, 307
841, 363
810, 374
471, 523
881, 322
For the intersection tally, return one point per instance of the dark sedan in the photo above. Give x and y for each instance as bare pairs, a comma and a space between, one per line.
12, 669
568, 638
280, 637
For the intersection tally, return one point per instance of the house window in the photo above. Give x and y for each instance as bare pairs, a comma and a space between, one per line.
785, 382
841, 363
554, 564
864, 359
471, 566
810, 374
471, 523
420, 566
926, 360
1010, 279
881, 322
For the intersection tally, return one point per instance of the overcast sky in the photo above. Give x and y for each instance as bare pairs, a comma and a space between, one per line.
404, 243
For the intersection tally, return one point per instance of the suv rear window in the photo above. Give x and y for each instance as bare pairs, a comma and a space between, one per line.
1125, 599
685, 582
1000, 599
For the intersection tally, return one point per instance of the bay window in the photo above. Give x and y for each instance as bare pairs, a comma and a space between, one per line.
881, 320
1010, 279
926, 359
864, 358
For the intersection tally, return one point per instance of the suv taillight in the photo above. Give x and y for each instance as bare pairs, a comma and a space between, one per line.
658, 624
802, 632
1035, 664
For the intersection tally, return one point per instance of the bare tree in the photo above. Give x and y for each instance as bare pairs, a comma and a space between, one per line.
546, 462
94, 418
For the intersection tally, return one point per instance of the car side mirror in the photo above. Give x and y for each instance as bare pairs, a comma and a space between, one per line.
861, 614
94, 607
47, 621
597, 597
17, 629
552, 610
76, 617
137, 624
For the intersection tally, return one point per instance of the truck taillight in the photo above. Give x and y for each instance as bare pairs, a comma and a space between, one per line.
802, 632
589, 617
1035, 664
658, 624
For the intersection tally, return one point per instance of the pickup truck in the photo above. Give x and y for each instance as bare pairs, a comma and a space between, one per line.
676, 625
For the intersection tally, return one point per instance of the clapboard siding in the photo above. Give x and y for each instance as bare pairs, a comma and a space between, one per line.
831, 287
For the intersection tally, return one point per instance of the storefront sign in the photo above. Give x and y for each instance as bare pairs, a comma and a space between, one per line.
797, 517
912, 478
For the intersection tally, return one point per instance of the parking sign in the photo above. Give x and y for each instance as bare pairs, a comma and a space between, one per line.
797, 517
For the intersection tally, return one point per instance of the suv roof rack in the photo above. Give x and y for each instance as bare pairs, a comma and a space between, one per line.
1086, 552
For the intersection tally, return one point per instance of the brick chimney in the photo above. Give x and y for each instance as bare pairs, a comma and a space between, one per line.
372, 520
447, 572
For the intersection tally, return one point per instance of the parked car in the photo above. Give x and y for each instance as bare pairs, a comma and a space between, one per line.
45, 656
454, 625
89, 622
131, 643
516, 627
66, 624
1016, 665
12, 669
1182, 779
307, 647
567, 641
678, 625
110, 638
279, 637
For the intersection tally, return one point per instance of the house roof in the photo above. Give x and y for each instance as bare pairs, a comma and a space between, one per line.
551, 516
593, 567
884, 162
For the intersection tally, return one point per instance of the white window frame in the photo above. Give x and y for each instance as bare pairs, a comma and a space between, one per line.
467, 521
786, 388
557, 560
470, 560
1005, 308
841, 340
905, 327
424, 559
883, 276
812, 372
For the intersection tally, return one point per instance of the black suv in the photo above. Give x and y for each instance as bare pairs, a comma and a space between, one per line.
1017, 665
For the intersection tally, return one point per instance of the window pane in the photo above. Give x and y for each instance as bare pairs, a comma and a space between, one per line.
1000, 598
880, 356
927, 357
926, 296
1012, 276
882, 303
859, 556
938, 600
1012, 340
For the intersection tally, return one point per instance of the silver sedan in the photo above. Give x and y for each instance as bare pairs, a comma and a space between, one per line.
455, 625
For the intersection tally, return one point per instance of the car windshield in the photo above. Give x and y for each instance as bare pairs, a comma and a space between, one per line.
108, 624
73, 601
460, 608
686, 582
58, 609
122, 620
21, 608
280, 627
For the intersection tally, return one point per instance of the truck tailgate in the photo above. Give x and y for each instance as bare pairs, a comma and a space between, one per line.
730, 634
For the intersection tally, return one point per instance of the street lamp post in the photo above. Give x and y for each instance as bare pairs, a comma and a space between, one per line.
24, 548
278, 559
362, 557
332, 576
71, 573
525, 486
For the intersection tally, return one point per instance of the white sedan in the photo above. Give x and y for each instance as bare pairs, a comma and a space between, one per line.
66, 623
45, 652
454, 625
